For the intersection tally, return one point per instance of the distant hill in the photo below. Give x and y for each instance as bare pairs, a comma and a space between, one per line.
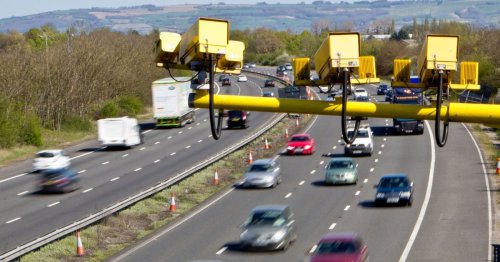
359, 15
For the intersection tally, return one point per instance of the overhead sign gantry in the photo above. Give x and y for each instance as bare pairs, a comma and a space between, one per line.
206, 47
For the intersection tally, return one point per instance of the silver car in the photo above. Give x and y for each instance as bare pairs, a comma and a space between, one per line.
341, 170
269, 227
262, 173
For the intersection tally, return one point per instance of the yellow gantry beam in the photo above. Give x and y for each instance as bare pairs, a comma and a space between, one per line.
454, 112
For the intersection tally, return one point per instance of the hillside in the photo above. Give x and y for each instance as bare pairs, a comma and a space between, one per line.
360, 16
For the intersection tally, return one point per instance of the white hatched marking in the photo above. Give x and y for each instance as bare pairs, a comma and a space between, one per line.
53, 204
13, 220
380, 152
322, 162
142, 148
156, 161
114, 179
313, 171
357, 193
82, 171
199, 141
105, 163
190, 127
137, 169
302, 182
173, 153
126, 155
371, 169
156, 143
347, 207
23, 193
288, 195
170, 137
365, 181
187, 147
332, 226
376, 160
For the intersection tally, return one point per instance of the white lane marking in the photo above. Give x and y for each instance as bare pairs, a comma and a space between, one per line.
82, 171
87, 190
137, 169
427, 197
485, 172
371, 169
347, 207
288, 195
114, 179
339, 141
365, 181
173, 153
23, 193
156, 161
379, 152
313, 171
221, 251
313, 249
386, 124
387, 120
125, 155
209, 135
382, 145
105, 163
204, 120
302, 182
322, 162
147, 131
332, 226
357, 193
180, 132
143, 244
187, 147
376, 160
156, 143
142, 148
190, 127
88, 153
335, 147
13, 220
7, 179
170, 137
385, 139
199, 141
197, 124
53, 204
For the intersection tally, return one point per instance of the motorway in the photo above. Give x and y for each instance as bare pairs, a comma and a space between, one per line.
449, 219
109, 176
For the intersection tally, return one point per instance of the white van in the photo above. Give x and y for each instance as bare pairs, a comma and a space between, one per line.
120, 131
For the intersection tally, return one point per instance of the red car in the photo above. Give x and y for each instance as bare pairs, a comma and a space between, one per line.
301, 144
340, 247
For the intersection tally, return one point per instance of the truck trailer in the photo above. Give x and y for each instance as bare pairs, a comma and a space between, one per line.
403, 95
119, 131
170, 102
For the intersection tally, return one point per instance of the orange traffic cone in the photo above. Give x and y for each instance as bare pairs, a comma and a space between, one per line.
216, 178
79, 246
172, 208
498, 166
286, 133
250, 157
266, 144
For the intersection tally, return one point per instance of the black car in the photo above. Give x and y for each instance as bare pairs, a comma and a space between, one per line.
221, 77
388, 96
237, 118
58, 180
226, 81
382, 89
269, 83
394, 189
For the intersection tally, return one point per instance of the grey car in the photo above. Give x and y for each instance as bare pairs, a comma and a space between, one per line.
341, 170
268, 227
262, 173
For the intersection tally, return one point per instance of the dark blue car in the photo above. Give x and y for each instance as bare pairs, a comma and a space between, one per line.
394, 189
61, 180
382, 89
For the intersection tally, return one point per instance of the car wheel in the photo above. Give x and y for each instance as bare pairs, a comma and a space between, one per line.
286, 245
275, 183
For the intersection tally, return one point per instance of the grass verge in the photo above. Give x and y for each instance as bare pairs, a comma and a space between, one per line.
114, 233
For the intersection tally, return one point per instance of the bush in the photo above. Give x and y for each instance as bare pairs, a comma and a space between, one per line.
75, 123
31, 131
109, 109
130, 105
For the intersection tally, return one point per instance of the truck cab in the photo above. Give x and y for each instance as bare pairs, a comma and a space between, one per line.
407, 125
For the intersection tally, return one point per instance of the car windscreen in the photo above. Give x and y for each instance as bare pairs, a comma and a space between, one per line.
336, 247
45, 155
300, 138
394, 182
267, 218
361, 134
341, 164
259, 168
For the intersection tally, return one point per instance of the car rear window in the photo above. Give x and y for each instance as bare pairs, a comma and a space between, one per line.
259, 168
235, 113
394, 182
361, 133
336, 247
300, 138
341, 164
267, 218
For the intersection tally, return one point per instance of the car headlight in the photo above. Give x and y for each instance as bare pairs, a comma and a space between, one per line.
307, 147
348, 145
380, 195
405, 194
278, 235
290, 147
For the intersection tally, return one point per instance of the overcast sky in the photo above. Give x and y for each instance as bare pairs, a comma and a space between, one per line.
28, 7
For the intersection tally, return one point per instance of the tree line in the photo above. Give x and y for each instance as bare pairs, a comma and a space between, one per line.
64, 80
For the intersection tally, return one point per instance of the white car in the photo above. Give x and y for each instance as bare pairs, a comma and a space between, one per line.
360, 94
363, 144
242, 78
50, 159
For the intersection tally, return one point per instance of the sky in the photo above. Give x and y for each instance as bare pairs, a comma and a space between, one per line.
28, 7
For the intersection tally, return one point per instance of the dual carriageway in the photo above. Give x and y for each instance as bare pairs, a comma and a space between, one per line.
449, 220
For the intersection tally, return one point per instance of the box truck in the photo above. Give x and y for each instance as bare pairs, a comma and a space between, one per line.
119, 131
170, 102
